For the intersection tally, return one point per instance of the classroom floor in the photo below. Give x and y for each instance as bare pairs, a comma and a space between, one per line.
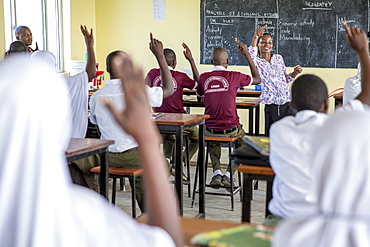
217, 207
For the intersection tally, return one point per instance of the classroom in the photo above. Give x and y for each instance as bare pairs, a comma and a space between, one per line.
126, 25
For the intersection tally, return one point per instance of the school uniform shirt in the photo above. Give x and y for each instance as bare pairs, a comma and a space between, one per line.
274, 78
353, 105
173, 103
100, 115
219, 89
78, 89
341, 184
290, 158
39, 204
352, 86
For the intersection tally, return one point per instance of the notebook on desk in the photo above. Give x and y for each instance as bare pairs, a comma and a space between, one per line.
239, 236
258, 143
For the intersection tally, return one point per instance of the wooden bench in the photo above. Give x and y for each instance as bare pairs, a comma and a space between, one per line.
117, 172
251, 172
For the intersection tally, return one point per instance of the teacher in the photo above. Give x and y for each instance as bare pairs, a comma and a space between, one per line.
274, 78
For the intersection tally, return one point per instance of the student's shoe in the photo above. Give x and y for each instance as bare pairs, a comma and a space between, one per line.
227, 183
216, 181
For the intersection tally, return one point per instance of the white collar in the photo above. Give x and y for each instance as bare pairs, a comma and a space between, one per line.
218, 68
113, 82
170, 68
303, 116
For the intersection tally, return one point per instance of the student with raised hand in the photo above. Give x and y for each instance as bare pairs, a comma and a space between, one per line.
124, 152
173, 104
161, 205
40, 206
357, 40
274, 78
219, 88
341, 163
78, 89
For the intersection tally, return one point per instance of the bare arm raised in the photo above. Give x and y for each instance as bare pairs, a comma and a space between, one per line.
243, 49
156, 47
356, 39
161, 206
91, 63
188, 55
258, 33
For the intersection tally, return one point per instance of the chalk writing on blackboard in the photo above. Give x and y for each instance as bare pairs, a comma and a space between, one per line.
308, 33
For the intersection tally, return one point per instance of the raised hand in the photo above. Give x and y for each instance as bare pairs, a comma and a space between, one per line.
356, 38
260, 31
89, 38
155, 46
242, 48
187, 52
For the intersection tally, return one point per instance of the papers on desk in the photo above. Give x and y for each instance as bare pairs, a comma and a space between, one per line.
239, 236
156, 115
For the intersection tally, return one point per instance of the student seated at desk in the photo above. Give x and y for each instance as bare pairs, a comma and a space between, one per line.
219, 89
39, 204
173, 104
78, 89
125, 153
291, 149
341, 176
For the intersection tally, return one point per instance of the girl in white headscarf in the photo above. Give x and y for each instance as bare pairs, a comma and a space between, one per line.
39, 205
341, 186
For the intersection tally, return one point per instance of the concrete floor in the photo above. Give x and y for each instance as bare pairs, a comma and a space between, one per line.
217, 207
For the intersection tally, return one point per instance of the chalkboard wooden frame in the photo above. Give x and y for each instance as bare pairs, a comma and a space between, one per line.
308, 33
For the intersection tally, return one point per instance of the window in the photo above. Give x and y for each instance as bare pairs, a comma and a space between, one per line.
43, 17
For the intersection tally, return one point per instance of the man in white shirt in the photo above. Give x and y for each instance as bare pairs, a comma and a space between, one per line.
290, 145
124, 153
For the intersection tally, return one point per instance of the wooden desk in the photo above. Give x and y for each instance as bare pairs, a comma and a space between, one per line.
83, 147
241, 103
251, 172
176, 123
193, 226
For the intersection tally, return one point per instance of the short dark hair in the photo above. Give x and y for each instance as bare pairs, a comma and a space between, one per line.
18, 29
17, 46
170, 56
259, 38
309, 92
109, 61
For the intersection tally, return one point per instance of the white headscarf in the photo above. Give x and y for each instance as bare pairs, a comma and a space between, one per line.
341, 185
39, 205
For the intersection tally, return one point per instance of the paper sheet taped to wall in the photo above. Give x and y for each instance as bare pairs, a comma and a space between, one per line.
159, 9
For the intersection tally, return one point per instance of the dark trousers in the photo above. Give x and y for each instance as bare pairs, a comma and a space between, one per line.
274, 113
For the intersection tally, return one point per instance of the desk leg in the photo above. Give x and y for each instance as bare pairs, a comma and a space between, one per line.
246, 206
178, 163
257, 121
201, 166
268, 196
104, 175
250, 121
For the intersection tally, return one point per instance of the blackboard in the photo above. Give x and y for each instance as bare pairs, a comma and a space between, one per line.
308, 33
